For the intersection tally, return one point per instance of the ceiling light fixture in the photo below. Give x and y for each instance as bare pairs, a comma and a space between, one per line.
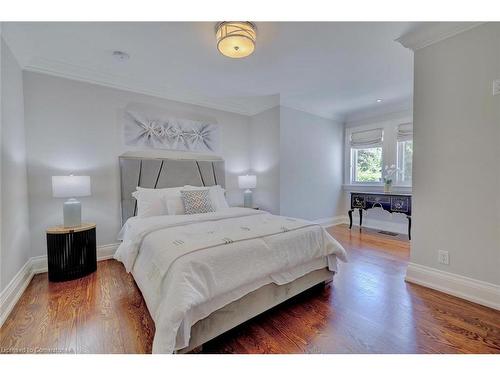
236, 39
379, 100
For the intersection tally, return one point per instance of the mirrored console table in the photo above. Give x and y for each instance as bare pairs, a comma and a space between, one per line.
391, 202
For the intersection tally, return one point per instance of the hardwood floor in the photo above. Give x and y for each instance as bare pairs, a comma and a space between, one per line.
368, 309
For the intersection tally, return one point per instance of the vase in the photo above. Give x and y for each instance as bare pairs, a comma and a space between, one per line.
387, 187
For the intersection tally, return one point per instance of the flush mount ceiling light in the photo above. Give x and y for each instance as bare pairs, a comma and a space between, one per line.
379, 100
236, 39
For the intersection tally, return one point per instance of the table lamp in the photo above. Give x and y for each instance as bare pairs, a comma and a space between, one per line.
71, 187
247, 182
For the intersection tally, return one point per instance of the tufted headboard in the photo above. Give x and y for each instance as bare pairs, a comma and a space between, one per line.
163, 172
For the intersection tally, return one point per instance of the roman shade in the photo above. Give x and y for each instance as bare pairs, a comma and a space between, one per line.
367, 138
404, 132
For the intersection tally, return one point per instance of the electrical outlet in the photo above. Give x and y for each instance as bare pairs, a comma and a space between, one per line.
496, 87
443, 257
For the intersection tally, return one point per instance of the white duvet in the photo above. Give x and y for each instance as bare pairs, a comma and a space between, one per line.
188, 266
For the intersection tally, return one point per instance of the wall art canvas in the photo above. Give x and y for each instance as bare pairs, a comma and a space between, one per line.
141, 130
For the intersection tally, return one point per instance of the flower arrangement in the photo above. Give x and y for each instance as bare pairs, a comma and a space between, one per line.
388, 175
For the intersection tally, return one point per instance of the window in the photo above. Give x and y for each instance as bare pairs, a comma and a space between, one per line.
369, 148
405, 158
367, 164
366, 156
404, 137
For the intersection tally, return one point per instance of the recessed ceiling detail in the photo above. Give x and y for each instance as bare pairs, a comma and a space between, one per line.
236, 39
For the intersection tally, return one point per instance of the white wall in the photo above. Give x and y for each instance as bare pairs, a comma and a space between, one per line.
265, 158
377, 218
15, 238
75, 127
310, 165
456, 175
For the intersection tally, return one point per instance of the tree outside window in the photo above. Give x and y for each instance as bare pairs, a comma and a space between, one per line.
367, 164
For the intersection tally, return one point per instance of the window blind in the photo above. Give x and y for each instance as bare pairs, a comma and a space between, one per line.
404, 132
367, 138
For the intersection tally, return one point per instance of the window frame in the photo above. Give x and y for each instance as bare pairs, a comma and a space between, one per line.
389, 151
400, 153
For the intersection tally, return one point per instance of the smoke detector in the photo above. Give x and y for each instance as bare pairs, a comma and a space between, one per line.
121, 56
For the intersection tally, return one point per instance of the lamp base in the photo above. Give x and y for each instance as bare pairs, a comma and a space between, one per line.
72, 211
247, 202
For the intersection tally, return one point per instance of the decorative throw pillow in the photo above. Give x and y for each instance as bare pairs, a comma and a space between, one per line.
197, 201
216, 195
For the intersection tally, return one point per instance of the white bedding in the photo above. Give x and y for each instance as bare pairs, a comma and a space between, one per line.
189, 266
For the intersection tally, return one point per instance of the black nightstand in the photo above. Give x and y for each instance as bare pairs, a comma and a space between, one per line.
71, 252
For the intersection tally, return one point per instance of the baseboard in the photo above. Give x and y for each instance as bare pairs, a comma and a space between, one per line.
106, 251
330, 221
14, 290
473, 290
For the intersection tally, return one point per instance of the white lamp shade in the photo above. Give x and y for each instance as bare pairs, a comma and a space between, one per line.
70, 186
247, 182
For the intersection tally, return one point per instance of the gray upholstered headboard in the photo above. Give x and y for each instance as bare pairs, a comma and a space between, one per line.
159, 172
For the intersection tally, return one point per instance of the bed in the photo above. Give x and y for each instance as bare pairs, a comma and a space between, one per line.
203, 274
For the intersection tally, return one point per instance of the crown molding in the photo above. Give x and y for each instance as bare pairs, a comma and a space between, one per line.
432, 33
268, 108
77, 73
272, 101
330, 117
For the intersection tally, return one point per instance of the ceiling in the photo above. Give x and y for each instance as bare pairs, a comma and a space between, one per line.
331, 69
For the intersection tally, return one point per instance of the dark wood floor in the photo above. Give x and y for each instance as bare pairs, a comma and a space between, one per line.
368, 309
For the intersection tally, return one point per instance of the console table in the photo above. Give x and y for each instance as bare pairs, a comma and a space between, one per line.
399, 203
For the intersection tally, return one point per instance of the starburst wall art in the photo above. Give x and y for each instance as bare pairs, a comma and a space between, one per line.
141, 130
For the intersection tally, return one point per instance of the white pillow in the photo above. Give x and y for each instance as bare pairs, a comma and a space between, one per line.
174, 203
220, 197
216, 193
151, 202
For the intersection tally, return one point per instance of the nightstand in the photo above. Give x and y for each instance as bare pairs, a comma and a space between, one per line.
71, 252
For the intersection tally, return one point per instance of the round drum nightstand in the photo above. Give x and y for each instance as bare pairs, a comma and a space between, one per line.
71, 252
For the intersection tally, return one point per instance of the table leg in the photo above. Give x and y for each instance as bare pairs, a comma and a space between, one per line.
350, 218
409, 226
360, 217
